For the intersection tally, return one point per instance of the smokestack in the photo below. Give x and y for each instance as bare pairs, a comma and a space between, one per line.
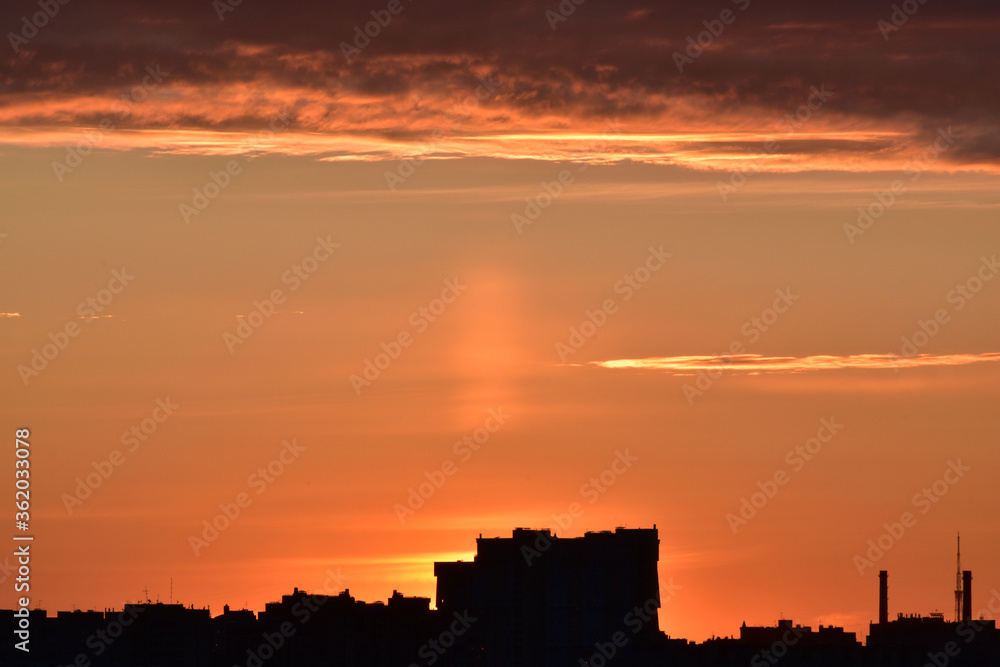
883, 597
967, 595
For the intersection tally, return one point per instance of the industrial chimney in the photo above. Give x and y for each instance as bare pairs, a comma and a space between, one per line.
883, 597
967, 595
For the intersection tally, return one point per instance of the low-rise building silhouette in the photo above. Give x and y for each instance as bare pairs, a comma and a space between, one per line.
915, 637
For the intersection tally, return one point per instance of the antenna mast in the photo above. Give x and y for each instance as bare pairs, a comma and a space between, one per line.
958, 579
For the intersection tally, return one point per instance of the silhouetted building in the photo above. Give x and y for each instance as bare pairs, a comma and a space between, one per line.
233, 632
966, 595
883, 597
162, 635
797, 635
147, 635
306, 629
42, 641
541, 599
911, 638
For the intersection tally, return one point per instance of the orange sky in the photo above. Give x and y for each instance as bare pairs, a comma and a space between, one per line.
494, 347
617, 262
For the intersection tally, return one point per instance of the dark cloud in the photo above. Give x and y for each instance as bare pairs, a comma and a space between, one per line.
604, 60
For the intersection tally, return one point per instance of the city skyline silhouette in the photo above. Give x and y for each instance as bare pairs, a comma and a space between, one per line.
530, 599
295, 294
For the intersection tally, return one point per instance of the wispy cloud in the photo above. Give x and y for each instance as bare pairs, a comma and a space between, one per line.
829, 150
756, 363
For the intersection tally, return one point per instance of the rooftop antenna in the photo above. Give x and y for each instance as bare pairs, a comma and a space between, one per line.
171, 590
146, 593
958, 579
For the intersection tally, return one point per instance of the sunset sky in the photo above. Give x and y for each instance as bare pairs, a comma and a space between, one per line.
481, 256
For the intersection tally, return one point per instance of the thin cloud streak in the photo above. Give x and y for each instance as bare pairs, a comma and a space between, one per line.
756, 363
847, 151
